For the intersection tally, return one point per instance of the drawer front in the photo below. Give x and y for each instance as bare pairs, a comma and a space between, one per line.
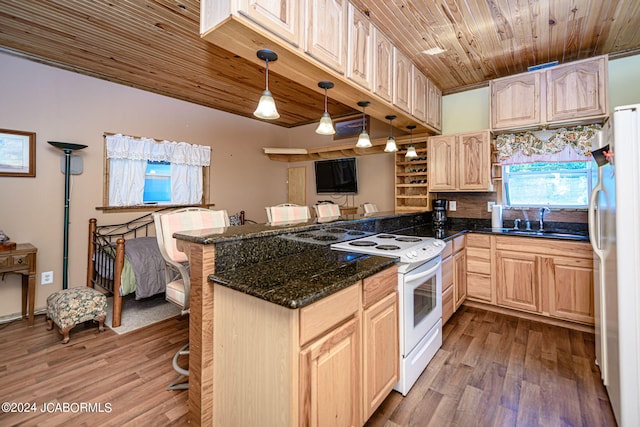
479, 286
328, 312
447, 304
5, 261
376, 287
479, 240
458, 243
448, 249
478, 260
20, 261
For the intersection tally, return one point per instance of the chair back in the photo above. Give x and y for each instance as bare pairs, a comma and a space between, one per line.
184, 220
327, 210
369, 207
287, 212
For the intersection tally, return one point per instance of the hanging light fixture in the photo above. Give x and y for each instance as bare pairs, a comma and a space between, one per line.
391, 142
325, 127
411, 151
267, 106
363, 139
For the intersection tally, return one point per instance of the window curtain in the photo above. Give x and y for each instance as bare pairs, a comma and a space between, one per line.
561, 145
128, 158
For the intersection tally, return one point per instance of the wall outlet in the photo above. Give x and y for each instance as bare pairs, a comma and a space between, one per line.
46, 278
452, 205
490, 206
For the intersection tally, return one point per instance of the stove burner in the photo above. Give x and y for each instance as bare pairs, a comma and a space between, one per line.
325, 238
386, 236
362, 243
304, 235
356, 233
335, 230
409, 239
388, 247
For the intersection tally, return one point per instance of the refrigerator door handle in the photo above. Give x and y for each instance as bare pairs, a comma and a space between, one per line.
594, 226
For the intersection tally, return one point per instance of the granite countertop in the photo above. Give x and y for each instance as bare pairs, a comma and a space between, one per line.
297, 280
297, 274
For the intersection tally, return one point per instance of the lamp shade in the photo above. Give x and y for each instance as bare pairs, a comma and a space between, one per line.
411, 152
363, 140
266, 107
325, 127
391, 146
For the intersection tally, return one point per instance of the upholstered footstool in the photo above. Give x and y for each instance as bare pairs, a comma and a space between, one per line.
69, 307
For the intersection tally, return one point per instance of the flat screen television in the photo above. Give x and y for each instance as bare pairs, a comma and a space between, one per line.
336, 176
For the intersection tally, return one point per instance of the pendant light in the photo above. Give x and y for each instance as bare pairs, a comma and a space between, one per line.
411, 151
363, 139
267, 106
391, 142
325, 127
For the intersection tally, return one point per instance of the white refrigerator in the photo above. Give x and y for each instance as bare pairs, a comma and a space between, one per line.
614, 228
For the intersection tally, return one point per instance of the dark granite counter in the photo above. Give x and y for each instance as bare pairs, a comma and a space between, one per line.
261, 260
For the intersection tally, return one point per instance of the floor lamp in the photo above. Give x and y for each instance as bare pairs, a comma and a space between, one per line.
67, 147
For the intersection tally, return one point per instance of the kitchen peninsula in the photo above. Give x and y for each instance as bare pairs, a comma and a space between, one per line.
278, 283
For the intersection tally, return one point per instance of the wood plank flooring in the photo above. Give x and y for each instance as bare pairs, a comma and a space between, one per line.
128, 373
492, 370
498, 370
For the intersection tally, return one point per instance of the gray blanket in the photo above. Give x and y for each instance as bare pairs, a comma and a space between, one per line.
148, 265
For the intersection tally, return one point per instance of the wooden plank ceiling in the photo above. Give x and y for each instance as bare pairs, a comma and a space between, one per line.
155, 45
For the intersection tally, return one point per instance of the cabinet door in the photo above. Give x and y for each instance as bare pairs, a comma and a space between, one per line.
577, 90
434, 105
360, 41
515, 101
474, 162
382, 65
330, 378
448, 304
460, 278
381, 348
401, 80
517, 281
326, 32
570, 286
442, 168
419, 94
281, 17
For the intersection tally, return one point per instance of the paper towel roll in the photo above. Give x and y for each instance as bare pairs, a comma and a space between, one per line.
496, 216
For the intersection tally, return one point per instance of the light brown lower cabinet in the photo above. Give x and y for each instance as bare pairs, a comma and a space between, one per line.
479, 268
517, 281
459, 272
329, 363
570, 284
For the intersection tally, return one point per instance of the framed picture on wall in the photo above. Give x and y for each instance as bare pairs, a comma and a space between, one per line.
17, 153
349, 127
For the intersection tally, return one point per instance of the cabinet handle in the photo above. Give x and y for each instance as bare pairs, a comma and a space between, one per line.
20, 260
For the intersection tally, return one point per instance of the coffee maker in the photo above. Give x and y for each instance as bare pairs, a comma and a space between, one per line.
439, 214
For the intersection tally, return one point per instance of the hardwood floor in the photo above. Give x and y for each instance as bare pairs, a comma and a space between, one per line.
499, 370
125, 374
492, 370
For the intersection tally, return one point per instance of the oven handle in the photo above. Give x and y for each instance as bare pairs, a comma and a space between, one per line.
417, 276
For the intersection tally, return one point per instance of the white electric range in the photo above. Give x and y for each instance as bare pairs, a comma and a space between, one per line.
419, 295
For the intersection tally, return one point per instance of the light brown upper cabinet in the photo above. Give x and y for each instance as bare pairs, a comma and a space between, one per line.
574, 92
326, 26
577, 89
419, 88
281, 17
402, 80
382, 65
515, 101
359, 52
434, 106
460, 162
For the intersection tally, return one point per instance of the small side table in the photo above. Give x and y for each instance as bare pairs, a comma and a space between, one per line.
22, 260
348, 210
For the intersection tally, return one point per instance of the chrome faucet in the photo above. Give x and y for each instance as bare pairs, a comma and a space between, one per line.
516, 224
541, 216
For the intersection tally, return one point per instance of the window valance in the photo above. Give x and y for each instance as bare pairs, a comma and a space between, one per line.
128, 147
561, 145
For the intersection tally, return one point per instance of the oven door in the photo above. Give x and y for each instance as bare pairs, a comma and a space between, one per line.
421, 290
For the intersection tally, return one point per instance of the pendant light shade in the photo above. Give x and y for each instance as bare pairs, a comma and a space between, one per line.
411, 151
391, 146
267, 106
325, 127
363, 140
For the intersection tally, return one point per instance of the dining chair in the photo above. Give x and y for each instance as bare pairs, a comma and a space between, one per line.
327, 210
178, 284
287, 212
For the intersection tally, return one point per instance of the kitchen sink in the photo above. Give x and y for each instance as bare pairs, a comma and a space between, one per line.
564, 234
